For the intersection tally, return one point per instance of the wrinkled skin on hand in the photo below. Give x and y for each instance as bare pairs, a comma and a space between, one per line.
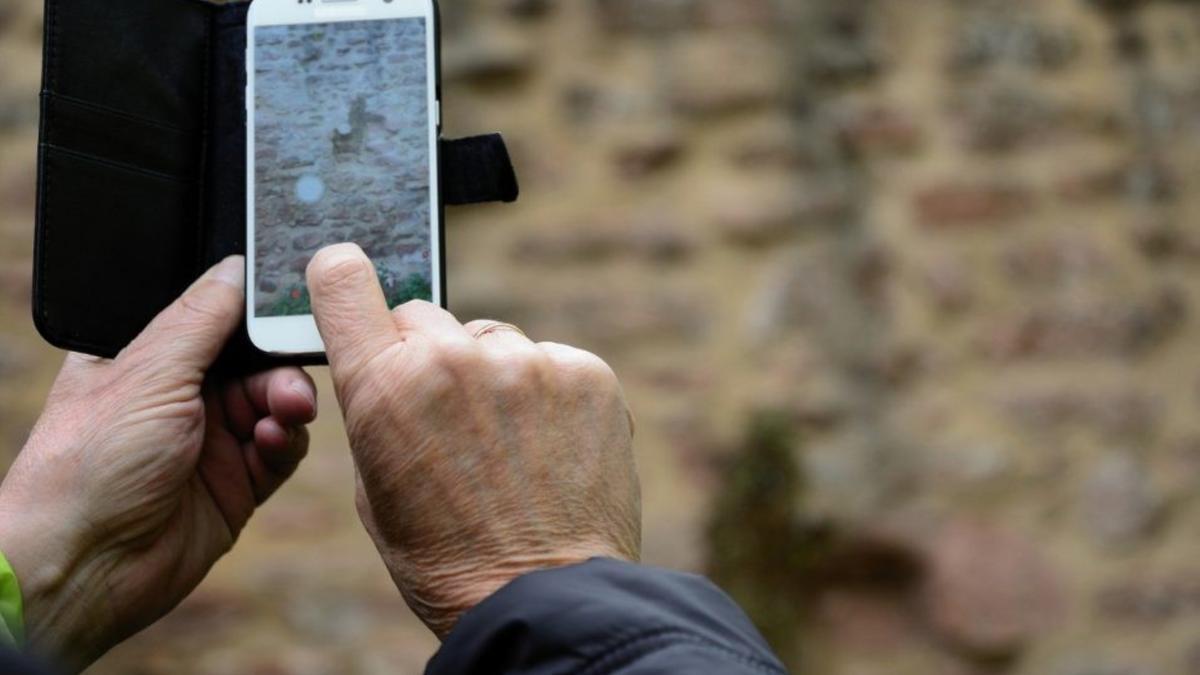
478, 459
141, 473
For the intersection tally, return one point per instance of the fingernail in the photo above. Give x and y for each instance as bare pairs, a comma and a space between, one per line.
306, 391
231, 270
331, 255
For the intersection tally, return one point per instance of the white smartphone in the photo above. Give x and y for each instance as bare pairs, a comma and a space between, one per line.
342, 124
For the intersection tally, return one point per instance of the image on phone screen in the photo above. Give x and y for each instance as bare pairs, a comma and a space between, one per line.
341, 154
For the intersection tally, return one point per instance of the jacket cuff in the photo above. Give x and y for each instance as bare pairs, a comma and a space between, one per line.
594, 613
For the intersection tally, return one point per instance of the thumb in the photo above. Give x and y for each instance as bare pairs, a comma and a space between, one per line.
187, 336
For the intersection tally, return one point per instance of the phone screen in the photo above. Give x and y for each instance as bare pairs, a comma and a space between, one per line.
341, 154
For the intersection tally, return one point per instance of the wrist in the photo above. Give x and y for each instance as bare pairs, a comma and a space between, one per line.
57, 587
442, 598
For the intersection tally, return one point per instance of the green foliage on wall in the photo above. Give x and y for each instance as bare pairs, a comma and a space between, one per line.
759, 550
298, 302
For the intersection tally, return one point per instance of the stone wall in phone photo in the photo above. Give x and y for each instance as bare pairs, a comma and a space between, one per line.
342, 154
904, 296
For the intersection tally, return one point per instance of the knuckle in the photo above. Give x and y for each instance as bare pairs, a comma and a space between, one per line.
406, 307
520, 371
207, 303
423, 305
459, 358
414, 309
422, 312
587, 369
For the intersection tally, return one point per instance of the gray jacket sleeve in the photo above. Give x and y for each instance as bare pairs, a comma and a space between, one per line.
605, 617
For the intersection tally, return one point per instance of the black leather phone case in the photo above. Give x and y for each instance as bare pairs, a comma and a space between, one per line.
141, 177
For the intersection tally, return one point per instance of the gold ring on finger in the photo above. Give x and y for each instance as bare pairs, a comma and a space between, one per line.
496, 327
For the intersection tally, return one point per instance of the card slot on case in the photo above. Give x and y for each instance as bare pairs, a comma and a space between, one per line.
86, 276
118, 139
113, 112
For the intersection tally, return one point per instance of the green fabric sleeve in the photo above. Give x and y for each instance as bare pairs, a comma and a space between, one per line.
12, 610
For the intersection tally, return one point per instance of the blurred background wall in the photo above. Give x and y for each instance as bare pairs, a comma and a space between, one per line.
902, 292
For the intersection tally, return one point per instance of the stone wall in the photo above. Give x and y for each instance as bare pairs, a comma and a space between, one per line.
949, 244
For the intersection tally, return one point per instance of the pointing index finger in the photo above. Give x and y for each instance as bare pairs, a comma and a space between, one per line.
349, 307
